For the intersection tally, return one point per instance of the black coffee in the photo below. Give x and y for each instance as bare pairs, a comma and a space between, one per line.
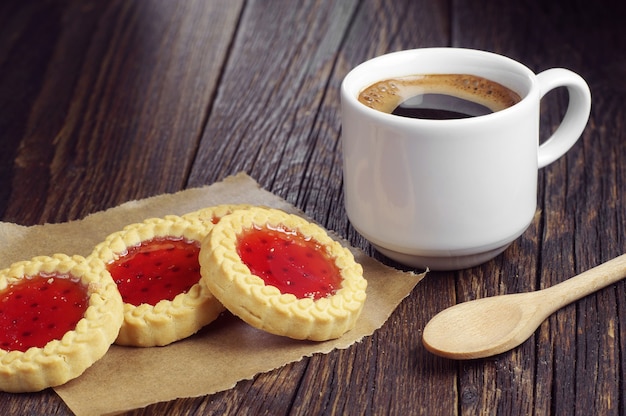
438, 96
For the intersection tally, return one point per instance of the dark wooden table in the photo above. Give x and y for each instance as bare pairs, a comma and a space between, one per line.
102, 102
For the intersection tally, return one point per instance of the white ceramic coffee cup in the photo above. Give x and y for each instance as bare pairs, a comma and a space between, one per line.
450, 194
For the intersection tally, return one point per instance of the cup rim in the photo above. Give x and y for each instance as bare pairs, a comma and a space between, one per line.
351, 86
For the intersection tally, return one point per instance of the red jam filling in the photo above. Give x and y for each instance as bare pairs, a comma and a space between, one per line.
289, 261
39, 309
156, 269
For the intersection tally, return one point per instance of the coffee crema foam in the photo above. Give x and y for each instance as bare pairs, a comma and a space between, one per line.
388, 94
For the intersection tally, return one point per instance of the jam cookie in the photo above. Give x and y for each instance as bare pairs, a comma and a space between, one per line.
155, 266
213, 214
58, 315
283, 274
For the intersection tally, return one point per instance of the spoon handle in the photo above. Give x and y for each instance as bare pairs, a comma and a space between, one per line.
587, 282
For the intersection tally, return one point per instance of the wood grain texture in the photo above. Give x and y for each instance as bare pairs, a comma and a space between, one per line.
117, 106
107, 101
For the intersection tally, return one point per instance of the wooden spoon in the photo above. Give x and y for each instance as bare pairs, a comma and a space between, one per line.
489, 326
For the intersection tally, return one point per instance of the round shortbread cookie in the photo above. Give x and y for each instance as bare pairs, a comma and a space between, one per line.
283, 274
59, 314
213, 214
154, 264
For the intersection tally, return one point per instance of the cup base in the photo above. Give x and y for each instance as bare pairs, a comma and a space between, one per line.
442, 263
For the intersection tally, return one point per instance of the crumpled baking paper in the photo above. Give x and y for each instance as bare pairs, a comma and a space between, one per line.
221, 354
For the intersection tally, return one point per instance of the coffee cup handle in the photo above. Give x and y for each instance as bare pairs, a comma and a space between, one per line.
576, 116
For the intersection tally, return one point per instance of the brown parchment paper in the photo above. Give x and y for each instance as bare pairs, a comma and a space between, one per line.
221, 354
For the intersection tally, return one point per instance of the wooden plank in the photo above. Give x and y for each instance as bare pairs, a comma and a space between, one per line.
112, 75
261, 122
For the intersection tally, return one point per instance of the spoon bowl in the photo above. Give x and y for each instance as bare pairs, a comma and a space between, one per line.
490, 326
